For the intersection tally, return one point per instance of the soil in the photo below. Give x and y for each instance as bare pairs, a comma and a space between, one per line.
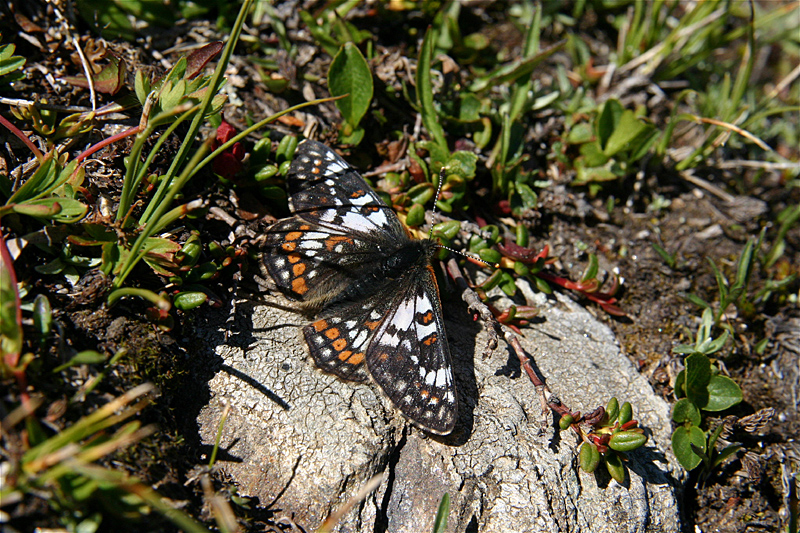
745, 494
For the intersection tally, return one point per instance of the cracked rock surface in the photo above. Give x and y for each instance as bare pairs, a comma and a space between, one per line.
303, 442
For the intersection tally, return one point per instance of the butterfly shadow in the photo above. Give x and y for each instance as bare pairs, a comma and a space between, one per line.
462, 335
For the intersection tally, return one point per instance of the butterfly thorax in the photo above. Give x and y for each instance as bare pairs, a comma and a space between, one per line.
402, 262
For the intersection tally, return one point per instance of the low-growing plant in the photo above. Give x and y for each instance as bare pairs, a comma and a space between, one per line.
700, 388
606, 434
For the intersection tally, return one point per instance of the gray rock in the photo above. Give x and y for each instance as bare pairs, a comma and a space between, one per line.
304, 442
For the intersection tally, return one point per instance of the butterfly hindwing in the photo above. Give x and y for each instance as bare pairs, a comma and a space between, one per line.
410, 359
339, 340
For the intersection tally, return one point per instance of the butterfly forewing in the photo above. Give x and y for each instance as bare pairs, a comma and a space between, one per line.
346, 254
326, 189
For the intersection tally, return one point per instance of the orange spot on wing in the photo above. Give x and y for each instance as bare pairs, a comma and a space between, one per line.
340, 344
344, 356
331, 242
293, 258
357, 194
427, 318
298, 269
299, 286
356, 359
332, 333
372, 325
294, 235
430, 340
289, 246
320, 325
305, 227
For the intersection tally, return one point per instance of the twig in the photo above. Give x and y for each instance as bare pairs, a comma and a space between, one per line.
87, 71
474, 303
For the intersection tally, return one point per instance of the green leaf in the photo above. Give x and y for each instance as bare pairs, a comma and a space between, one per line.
593, 155
696, 300
42, 316
590, 272
440, 522
462, 163
713, 346
141, 85
612, 410
607, 121
515, 70
109, 18
425, 90
723, 393
416, 215
698, 374
580, 133
615, 467
588, 457
722, 282
86, 357
44, 176
421, 193
625, 413
351, 136
682, 439
189, 300
469, 110
723, 454
626, 441
584, 174
10, 65
109, 80
626, 133
527, 195
349, 74
685, 411
10, 311
64, 210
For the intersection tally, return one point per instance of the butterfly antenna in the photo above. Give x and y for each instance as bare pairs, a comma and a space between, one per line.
473, 257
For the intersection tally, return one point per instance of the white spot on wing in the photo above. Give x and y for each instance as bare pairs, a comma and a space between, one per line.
442, 377
362, 200
404, 316
423, 330
430, 378
362, 223
423, 305
359, 340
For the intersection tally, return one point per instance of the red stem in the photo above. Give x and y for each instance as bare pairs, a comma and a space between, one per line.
22, 137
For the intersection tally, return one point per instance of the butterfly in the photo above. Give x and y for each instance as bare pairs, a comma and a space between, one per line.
347, 260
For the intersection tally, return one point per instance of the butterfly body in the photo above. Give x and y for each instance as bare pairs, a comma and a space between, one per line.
345, 257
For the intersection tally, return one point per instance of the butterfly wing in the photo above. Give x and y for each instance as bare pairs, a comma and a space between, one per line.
409, 356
